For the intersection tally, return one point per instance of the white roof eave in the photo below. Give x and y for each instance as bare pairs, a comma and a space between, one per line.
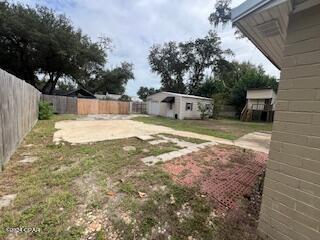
246, 8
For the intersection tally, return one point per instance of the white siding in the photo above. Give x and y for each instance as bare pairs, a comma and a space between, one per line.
195, 113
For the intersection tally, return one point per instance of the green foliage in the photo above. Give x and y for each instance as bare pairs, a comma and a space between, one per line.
205, 109
168, 61
45, 110
145, 92
182, 66
37, 40
125, 98
250, 77
219, 100
222, 13
111, 80
232, 79
210, 87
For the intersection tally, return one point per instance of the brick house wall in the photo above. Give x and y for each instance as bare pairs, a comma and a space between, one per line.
291, 198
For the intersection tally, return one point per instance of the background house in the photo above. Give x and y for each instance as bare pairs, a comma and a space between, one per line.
175, 105
261, 98
260, 105
80, 93
288, 33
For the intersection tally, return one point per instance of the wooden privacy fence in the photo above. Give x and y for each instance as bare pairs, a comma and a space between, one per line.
82, 106
62, 104
138, 107
93, 106
18, 112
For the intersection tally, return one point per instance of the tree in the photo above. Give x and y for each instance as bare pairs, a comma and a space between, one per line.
219, 101
210, 87
203, 54
145, 92
170, 63
249, 76
37, 41
125, 98
111, 81
231, 81
222, 13
182, 66
66, 85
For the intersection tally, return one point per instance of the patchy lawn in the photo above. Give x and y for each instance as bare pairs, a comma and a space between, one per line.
230, 129
103, 191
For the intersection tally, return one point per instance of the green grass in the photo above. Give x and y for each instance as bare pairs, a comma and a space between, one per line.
51, 191
223, 128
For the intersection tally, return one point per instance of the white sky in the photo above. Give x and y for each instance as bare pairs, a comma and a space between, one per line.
135, 25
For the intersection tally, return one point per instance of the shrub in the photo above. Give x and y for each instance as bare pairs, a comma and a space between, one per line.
45, 110
205, 109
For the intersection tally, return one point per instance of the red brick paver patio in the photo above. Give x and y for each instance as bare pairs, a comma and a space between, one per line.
223, 173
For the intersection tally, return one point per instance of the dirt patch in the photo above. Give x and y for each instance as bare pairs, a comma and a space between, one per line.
224, 174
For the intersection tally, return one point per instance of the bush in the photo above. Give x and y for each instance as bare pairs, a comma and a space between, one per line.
45, 110
205, 110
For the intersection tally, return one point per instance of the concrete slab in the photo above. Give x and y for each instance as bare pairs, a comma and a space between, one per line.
145, 137
6, 200
157, 142
129, 148
74, 131
258, 141
77, 132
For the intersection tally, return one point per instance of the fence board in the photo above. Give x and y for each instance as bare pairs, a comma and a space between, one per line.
113, 107
18, 112
88, 106
82, 106
62, 104
138, 107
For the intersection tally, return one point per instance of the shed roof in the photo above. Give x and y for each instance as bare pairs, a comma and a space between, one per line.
181, 95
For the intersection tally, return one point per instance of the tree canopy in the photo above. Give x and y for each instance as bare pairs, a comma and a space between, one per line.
182, 66
232, 79
43, 48
110, 80
222, 13
145, 92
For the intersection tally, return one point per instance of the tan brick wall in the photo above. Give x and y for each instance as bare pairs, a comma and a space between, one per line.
291, 199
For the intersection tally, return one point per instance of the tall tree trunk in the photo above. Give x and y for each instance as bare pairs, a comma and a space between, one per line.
54, 83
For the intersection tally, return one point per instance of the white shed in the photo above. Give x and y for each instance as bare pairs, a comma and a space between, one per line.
261, 98
175, 105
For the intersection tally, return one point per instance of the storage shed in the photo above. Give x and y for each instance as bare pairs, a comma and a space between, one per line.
176, 105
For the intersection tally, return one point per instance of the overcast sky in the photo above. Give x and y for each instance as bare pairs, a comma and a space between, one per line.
135, 25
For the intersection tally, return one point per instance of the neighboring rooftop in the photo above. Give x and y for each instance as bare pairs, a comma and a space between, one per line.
181, 95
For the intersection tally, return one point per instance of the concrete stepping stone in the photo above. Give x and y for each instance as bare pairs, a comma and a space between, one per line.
129, 148
156, 142
145, 137
6, 200
28, 159
151, 160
